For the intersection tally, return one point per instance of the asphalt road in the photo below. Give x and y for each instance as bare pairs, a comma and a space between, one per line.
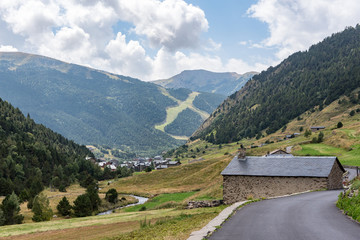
306, 216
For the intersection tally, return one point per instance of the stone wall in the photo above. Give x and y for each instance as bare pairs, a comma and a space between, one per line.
201, 204
239, 188
335, 178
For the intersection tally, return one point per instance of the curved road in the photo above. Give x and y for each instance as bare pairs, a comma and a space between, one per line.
306, 216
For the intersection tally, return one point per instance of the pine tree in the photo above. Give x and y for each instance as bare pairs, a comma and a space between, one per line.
64, 207
41, 208
82, 206
92, 192
11, 210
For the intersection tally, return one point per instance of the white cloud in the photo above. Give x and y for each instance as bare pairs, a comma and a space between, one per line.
212, 45
32, 19
243, 43
240, 66
296, 25
128, 58
82, 31
173, 24
70, 44
7, 48
167, 64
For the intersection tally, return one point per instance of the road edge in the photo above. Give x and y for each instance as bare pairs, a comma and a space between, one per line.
217, 221
223, 215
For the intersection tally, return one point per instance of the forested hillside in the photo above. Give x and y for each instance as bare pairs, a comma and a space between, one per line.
33, 156
91, 106
303, 81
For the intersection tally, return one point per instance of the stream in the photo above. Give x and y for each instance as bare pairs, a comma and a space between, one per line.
142, 200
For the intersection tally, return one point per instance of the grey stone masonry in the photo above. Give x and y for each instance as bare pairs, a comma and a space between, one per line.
240, 188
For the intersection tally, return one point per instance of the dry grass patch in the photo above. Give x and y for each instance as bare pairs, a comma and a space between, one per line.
184, 178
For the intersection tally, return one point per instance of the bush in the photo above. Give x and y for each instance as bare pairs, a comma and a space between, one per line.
64, 207
350, 205
320, 137
352, 113
339, 125
144, 223
112, 196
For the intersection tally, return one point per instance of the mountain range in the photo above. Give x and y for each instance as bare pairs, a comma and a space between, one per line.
95, 107
205, 81
304, 81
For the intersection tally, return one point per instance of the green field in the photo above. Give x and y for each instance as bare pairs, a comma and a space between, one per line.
161, 201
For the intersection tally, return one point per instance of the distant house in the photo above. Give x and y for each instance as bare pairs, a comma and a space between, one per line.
173, 163
115, 162
102, 164
112, 167
161, 167
317, 128
158, 158
278, 174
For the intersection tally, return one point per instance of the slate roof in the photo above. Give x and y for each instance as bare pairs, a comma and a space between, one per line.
281, 166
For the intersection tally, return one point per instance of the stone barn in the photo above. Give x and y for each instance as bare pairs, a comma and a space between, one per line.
275, 175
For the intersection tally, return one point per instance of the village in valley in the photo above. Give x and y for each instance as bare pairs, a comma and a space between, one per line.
147, 164
138, 164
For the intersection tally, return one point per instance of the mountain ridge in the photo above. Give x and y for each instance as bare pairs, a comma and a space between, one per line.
224, 83
266, 103
92, 106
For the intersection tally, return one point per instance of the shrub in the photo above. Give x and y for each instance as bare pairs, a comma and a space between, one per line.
352, 113
62, 188
339, 125
320, 137
350, 206
111, 195
144, 223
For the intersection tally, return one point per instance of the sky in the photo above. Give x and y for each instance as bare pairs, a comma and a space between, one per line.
156, 39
